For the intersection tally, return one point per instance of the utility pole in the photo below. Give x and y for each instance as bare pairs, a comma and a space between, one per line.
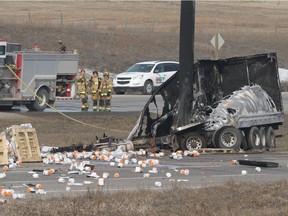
186, 60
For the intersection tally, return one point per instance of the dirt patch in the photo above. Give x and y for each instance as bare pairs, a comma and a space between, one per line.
114, 35
55, 130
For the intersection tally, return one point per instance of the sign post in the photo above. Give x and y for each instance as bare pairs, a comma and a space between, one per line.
217, 41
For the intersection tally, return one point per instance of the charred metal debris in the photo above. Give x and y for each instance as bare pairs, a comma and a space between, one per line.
236, 104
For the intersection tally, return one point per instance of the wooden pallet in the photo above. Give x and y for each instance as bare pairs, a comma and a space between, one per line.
217, 150
3, 151
26, 144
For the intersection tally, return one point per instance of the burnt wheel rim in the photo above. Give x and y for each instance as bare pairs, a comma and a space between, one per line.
228, 139
194, 143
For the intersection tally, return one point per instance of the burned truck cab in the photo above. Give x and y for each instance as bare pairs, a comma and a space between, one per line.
236, 104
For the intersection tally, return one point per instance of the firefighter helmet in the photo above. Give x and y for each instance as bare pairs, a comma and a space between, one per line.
106, 74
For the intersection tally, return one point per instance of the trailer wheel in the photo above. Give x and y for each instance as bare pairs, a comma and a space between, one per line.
270, 138
254, 138
263, 136
39, 105
228, 137
192, 141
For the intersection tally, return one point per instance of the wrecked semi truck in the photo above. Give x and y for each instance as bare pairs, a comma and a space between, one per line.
27, 73
237, 103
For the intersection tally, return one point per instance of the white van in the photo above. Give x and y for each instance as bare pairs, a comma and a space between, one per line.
144, 76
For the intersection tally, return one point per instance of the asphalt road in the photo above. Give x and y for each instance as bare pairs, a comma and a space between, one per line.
123, 103
119, 103
205, 170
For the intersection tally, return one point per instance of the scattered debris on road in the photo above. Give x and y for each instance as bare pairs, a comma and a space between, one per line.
258, 164
81, 160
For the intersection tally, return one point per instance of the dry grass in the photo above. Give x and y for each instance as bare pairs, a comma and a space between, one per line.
230, 199
55, 130
114, 35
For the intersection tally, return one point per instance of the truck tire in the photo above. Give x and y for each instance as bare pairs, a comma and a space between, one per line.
192, 141
38, 105
254, 138
270, 138
148, 88
51, 103
263, 136
228, 137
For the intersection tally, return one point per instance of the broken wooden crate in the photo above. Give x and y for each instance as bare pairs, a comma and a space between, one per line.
26, 144
3, 150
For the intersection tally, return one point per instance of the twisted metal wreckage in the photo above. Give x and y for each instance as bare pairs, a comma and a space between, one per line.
236, 104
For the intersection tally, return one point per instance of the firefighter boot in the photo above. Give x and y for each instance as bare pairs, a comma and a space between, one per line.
101, 105
108, 105
108, 109
95, 106
86, 107
85, 104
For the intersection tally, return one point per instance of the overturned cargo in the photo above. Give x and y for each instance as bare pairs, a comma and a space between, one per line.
236, 103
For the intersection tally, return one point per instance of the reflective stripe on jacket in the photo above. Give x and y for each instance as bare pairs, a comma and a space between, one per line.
106, 86
81, 85
94, 84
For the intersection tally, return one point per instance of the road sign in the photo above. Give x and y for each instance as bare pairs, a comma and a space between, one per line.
217, 41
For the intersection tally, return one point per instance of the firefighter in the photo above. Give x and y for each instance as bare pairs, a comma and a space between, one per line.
105, 93
82, 90
62, 47
94, 84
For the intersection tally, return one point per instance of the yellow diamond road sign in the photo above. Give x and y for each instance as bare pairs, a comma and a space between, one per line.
220, 41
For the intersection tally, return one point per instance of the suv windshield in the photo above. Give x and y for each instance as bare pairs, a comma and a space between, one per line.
140, 68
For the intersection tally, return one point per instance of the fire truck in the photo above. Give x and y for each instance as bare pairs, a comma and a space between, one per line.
35, 78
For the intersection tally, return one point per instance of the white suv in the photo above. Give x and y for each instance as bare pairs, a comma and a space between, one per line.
144, 76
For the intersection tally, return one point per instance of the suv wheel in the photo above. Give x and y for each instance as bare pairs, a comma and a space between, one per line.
148, 88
